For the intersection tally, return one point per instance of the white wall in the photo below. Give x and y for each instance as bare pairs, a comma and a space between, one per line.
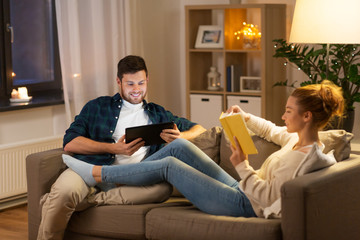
32, 123
163, 26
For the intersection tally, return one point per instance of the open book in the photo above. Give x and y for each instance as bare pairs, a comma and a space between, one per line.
234, 125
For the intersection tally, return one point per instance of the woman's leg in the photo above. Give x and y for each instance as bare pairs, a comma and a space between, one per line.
208, 194
190, 154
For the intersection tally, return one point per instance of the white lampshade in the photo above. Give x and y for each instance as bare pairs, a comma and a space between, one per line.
326, 21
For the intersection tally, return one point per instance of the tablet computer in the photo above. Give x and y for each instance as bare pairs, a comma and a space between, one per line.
149, 133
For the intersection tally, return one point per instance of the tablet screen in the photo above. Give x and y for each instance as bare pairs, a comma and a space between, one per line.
149, 133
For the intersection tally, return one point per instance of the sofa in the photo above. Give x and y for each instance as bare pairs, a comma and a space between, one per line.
324, 204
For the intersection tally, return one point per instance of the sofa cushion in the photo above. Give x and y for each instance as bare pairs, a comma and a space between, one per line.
339, 140
209, 142
190, 223
116, 221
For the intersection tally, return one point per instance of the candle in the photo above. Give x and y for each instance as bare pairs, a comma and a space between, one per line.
23, 93
14, 94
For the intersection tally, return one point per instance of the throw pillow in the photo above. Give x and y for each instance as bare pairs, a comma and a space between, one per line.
339, 140
209, 142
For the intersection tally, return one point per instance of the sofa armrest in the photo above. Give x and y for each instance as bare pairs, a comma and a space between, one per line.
323, 204
42, 170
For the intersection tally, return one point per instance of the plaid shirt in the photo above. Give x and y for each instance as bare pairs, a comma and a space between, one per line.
98, 118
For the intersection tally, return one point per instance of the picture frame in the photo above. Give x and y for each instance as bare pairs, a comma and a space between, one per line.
250, 84
210, 36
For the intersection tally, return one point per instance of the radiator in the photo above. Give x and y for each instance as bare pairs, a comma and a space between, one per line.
12, 165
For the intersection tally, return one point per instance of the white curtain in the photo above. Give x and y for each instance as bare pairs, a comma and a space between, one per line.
92, 39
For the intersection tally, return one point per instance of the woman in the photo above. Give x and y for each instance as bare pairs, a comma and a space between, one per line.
209, 187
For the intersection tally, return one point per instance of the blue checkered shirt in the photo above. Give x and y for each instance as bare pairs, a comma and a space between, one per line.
98, 118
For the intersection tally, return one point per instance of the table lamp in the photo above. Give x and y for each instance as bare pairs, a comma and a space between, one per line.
326, 22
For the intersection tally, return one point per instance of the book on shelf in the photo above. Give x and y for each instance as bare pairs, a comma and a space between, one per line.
233, 73
234, 125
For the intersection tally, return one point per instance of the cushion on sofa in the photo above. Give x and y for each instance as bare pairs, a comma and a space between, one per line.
129, 222
190, 223
209, 142
339, 140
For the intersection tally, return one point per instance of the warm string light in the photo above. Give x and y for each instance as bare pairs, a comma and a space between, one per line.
250, 34
293, 47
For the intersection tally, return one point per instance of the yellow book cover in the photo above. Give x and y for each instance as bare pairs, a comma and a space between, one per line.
234, 125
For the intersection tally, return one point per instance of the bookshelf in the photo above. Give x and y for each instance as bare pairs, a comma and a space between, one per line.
254, 62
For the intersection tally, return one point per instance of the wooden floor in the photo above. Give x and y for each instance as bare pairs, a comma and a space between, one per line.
13, 223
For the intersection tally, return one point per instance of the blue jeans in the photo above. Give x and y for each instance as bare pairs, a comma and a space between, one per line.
192, 172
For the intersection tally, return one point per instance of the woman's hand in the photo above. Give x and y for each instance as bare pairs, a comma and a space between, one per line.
237, 155
237, 109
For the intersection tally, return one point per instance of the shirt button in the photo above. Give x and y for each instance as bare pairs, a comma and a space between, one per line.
119, 106
111, 131
116, 117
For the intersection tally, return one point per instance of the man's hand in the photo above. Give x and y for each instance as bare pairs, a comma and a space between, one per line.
127, 148
169, 135
237, 155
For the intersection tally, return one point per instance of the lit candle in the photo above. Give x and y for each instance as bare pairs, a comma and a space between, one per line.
14, 94
23, 93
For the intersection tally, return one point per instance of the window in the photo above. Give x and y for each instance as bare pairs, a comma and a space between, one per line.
29, 47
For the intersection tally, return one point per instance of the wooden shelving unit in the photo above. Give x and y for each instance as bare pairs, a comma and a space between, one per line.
271, 20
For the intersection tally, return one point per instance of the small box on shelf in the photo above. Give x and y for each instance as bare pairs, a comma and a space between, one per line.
249, 104
205, 109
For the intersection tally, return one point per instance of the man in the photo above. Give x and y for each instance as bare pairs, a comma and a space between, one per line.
97, 136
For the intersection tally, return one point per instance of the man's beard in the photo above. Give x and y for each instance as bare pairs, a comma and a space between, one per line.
131, 99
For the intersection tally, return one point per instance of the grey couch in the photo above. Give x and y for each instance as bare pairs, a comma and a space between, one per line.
321, 205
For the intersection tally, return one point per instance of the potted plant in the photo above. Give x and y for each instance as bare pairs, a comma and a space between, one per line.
343, 69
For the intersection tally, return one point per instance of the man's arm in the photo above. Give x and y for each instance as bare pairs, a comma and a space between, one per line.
192, 132
83, 145
170, 135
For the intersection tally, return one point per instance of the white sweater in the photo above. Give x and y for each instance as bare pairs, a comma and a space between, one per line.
262, 186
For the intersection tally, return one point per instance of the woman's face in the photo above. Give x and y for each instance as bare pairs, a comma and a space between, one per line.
294, 121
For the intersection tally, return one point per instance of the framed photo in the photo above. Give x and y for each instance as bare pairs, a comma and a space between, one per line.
209, 36
250, 84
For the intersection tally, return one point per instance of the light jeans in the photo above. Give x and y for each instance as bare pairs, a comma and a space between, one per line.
192, 172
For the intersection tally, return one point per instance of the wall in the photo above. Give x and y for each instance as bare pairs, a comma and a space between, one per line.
164, 50
33, 123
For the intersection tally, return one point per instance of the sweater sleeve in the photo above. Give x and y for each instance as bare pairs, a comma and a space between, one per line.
268, 130
263, 186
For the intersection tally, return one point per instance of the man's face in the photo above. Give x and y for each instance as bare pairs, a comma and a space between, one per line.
133, 87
